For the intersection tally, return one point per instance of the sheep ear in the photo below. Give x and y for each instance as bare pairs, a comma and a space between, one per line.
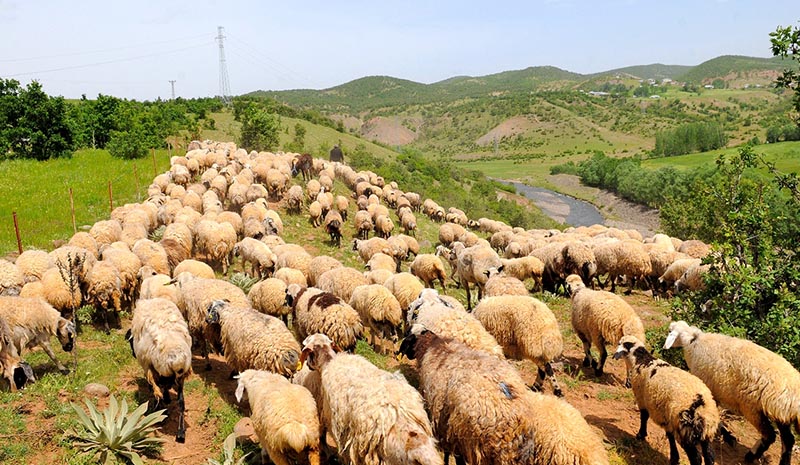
670, 339
303, 356
487, 273
239, 391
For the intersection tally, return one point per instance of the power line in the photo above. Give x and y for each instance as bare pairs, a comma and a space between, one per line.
276, 65
121, 60
172, 83
64, 55
251, 59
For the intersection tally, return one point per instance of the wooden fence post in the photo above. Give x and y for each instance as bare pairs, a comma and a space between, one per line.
72, 209
16, 229
155, 169
110, 198
136, 179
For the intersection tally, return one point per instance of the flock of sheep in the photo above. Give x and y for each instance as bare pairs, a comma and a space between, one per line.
310, 397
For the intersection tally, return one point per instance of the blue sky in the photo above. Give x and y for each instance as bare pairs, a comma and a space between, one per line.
132, 49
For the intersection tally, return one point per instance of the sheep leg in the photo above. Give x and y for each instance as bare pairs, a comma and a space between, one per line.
708, 453
537, 385
691, 452
644, 415
466, 288
674, 458
587, 350
444, 289
204, 353
767, 438
49, 351
598, 366
548, 369
787, 442
727, 436
180, 436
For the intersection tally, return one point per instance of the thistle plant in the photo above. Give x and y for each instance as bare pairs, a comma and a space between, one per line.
114, 434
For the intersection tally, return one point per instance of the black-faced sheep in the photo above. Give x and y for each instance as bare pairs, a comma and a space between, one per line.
746, 378
676, 400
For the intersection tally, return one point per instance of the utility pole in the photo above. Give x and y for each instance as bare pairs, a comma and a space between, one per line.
224, 85
172, 83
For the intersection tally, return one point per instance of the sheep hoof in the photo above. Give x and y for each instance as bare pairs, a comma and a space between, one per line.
749, 456
536, 387
587, 361
64, 371
180, 437
558, 393
640, 436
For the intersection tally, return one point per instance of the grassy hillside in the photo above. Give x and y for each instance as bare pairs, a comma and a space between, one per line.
39, 193
655, 71
785, 155
730, 66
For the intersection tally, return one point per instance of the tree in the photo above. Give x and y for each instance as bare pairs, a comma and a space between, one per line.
299, 141
32, 124
259, 130
786, 44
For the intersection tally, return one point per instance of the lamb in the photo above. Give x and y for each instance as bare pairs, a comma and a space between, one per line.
746, 378
333, 226
276, 183
59, 294
106, 232
11, 279
313, 189
86, 241
526, 329
16, 372
676, 270
253, 340
159, 338
522, 268
600, 317
678, 401
341, 282
32, 264
32, 322
316, 311
284, 417
482, 411
291, 276
302, 165
261, 259
449, 319
375, 417
471, 266
156, 285
380, 312
409, 223
428, 268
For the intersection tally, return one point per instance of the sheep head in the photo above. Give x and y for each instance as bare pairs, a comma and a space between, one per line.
318, 350
66, 334
212, 317
23, 374
574, 284
681, 334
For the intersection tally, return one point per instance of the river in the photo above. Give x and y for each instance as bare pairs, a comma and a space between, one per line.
560, 207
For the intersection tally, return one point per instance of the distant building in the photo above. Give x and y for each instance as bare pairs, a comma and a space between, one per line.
655, 96
598, 93
708, 86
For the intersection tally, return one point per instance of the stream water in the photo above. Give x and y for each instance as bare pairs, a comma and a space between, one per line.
560, 207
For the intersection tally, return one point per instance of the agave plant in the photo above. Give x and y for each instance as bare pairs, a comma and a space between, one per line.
228, 448
243, 281
115, 434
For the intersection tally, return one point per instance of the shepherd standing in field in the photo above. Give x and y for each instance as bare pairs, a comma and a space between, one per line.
336, 154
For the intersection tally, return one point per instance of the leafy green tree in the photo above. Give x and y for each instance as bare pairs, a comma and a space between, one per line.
786, 44
34, 125
298, 142
127, 144
259, 130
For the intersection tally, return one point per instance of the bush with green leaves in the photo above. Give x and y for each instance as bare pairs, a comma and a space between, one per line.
113, 434
259, 130
127, 145
753, 222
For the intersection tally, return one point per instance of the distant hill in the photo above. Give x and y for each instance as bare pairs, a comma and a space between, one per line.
655, 71
730, 67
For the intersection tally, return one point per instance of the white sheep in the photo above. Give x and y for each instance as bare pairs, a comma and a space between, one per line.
499, 284
32, 264
429, 268
258, 254
676, 400
160, 341
253, 340
471, 266
380, 312
375, 417
600, 318
284, 416
746, 378
11, 278
367, 248
269, 297
33, 322
483, 412
526, 329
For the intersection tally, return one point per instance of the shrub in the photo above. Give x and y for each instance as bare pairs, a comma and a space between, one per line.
126, 145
